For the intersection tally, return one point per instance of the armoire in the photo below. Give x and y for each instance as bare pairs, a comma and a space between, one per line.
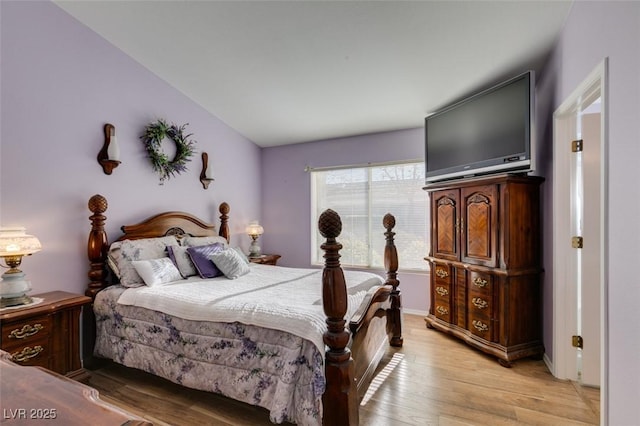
486, 263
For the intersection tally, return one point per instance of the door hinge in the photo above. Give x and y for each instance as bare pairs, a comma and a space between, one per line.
576, 242
576, 146
577, 342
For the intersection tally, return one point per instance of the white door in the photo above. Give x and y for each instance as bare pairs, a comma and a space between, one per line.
579, 211
590, 272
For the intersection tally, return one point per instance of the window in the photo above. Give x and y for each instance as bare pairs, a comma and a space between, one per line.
362, 196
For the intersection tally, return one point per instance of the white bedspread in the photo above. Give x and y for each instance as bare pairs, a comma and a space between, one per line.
287, 299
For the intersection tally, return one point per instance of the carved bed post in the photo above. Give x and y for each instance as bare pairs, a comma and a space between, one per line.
391, 266
97, 245
340, 399
224, 221
97, 252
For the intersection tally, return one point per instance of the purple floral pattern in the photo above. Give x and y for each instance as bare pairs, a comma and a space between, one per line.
269, 368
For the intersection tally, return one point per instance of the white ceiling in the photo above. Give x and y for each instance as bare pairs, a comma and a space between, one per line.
282, 72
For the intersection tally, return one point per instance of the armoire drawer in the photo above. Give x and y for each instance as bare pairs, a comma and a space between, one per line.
480, 283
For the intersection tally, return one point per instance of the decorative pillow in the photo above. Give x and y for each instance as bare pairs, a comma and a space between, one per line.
157, 271
143, 249
242, 255
230, 263
200, 256
181, 259
114, 257
189, 241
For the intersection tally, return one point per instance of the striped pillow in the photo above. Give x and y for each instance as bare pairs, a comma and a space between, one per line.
230, 263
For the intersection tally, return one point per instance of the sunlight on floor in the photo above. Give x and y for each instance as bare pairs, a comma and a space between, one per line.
381, 377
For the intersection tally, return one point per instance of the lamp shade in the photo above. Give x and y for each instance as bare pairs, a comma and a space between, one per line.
254, 228
15, 242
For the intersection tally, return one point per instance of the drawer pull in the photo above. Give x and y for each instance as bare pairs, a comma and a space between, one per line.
479, 325
441, 273
442, 310
480, 282
27, 353
27, 331
442, 291
479, 303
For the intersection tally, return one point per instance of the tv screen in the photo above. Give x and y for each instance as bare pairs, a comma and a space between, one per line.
486, 133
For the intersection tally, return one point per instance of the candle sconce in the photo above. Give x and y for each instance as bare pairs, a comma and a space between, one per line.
109, 155
206, 175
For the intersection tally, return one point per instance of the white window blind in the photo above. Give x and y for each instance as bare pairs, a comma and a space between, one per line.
362, 196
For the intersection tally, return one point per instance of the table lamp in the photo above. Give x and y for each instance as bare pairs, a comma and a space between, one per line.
14, 244
254, 230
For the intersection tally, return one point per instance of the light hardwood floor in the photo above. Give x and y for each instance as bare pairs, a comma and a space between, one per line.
433, 380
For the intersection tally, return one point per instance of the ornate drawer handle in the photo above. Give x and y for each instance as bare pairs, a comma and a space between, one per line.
442, 310
479, 303
27, 353
479, 325
441, 273
480, 282
442, 291
26, 331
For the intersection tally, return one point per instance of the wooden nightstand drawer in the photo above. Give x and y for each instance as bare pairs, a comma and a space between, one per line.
36, 353
21, 333
266, 259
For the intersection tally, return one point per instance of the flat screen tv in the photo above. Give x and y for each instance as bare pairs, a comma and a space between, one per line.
489, 132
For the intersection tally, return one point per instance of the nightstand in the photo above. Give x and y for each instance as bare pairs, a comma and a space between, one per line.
266, 259
46, 334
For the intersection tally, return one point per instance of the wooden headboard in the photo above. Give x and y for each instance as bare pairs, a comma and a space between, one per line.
168, 223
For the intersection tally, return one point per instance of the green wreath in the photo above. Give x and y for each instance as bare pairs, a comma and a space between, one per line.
152, 137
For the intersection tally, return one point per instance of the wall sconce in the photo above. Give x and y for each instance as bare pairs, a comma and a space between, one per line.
14, 244
206, 175
109, 155
254, 230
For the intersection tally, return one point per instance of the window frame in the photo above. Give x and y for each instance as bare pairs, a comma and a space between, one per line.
316, 239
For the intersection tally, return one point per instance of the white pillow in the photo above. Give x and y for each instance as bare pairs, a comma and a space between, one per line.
157, 271
142, 249
230, 263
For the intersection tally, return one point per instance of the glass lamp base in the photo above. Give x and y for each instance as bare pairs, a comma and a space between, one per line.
5, 302
13, 289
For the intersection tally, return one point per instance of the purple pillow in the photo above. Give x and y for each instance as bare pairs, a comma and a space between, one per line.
200, 256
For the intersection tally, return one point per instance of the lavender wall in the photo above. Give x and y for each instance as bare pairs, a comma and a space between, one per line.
593, 31
286, 194
60, 84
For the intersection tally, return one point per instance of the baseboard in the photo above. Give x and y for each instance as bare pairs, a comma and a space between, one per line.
415, 312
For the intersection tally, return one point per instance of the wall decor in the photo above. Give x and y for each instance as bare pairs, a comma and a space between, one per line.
206, 175
109, 155
153, 136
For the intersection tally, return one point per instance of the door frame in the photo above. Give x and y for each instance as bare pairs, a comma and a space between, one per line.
564, 297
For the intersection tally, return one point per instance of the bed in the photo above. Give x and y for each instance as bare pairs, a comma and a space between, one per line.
309, 366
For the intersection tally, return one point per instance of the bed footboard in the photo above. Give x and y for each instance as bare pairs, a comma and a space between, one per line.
347, 379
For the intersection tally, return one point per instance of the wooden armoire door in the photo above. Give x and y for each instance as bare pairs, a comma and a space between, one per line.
479, 231
445, 221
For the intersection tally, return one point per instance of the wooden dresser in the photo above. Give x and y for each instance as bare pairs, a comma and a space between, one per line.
486, 264
46, 334
32, 395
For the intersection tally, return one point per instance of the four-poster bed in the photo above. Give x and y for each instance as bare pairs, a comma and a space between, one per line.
351, 347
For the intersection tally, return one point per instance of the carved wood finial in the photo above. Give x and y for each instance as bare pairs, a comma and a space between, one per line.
224, 220
341, 397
